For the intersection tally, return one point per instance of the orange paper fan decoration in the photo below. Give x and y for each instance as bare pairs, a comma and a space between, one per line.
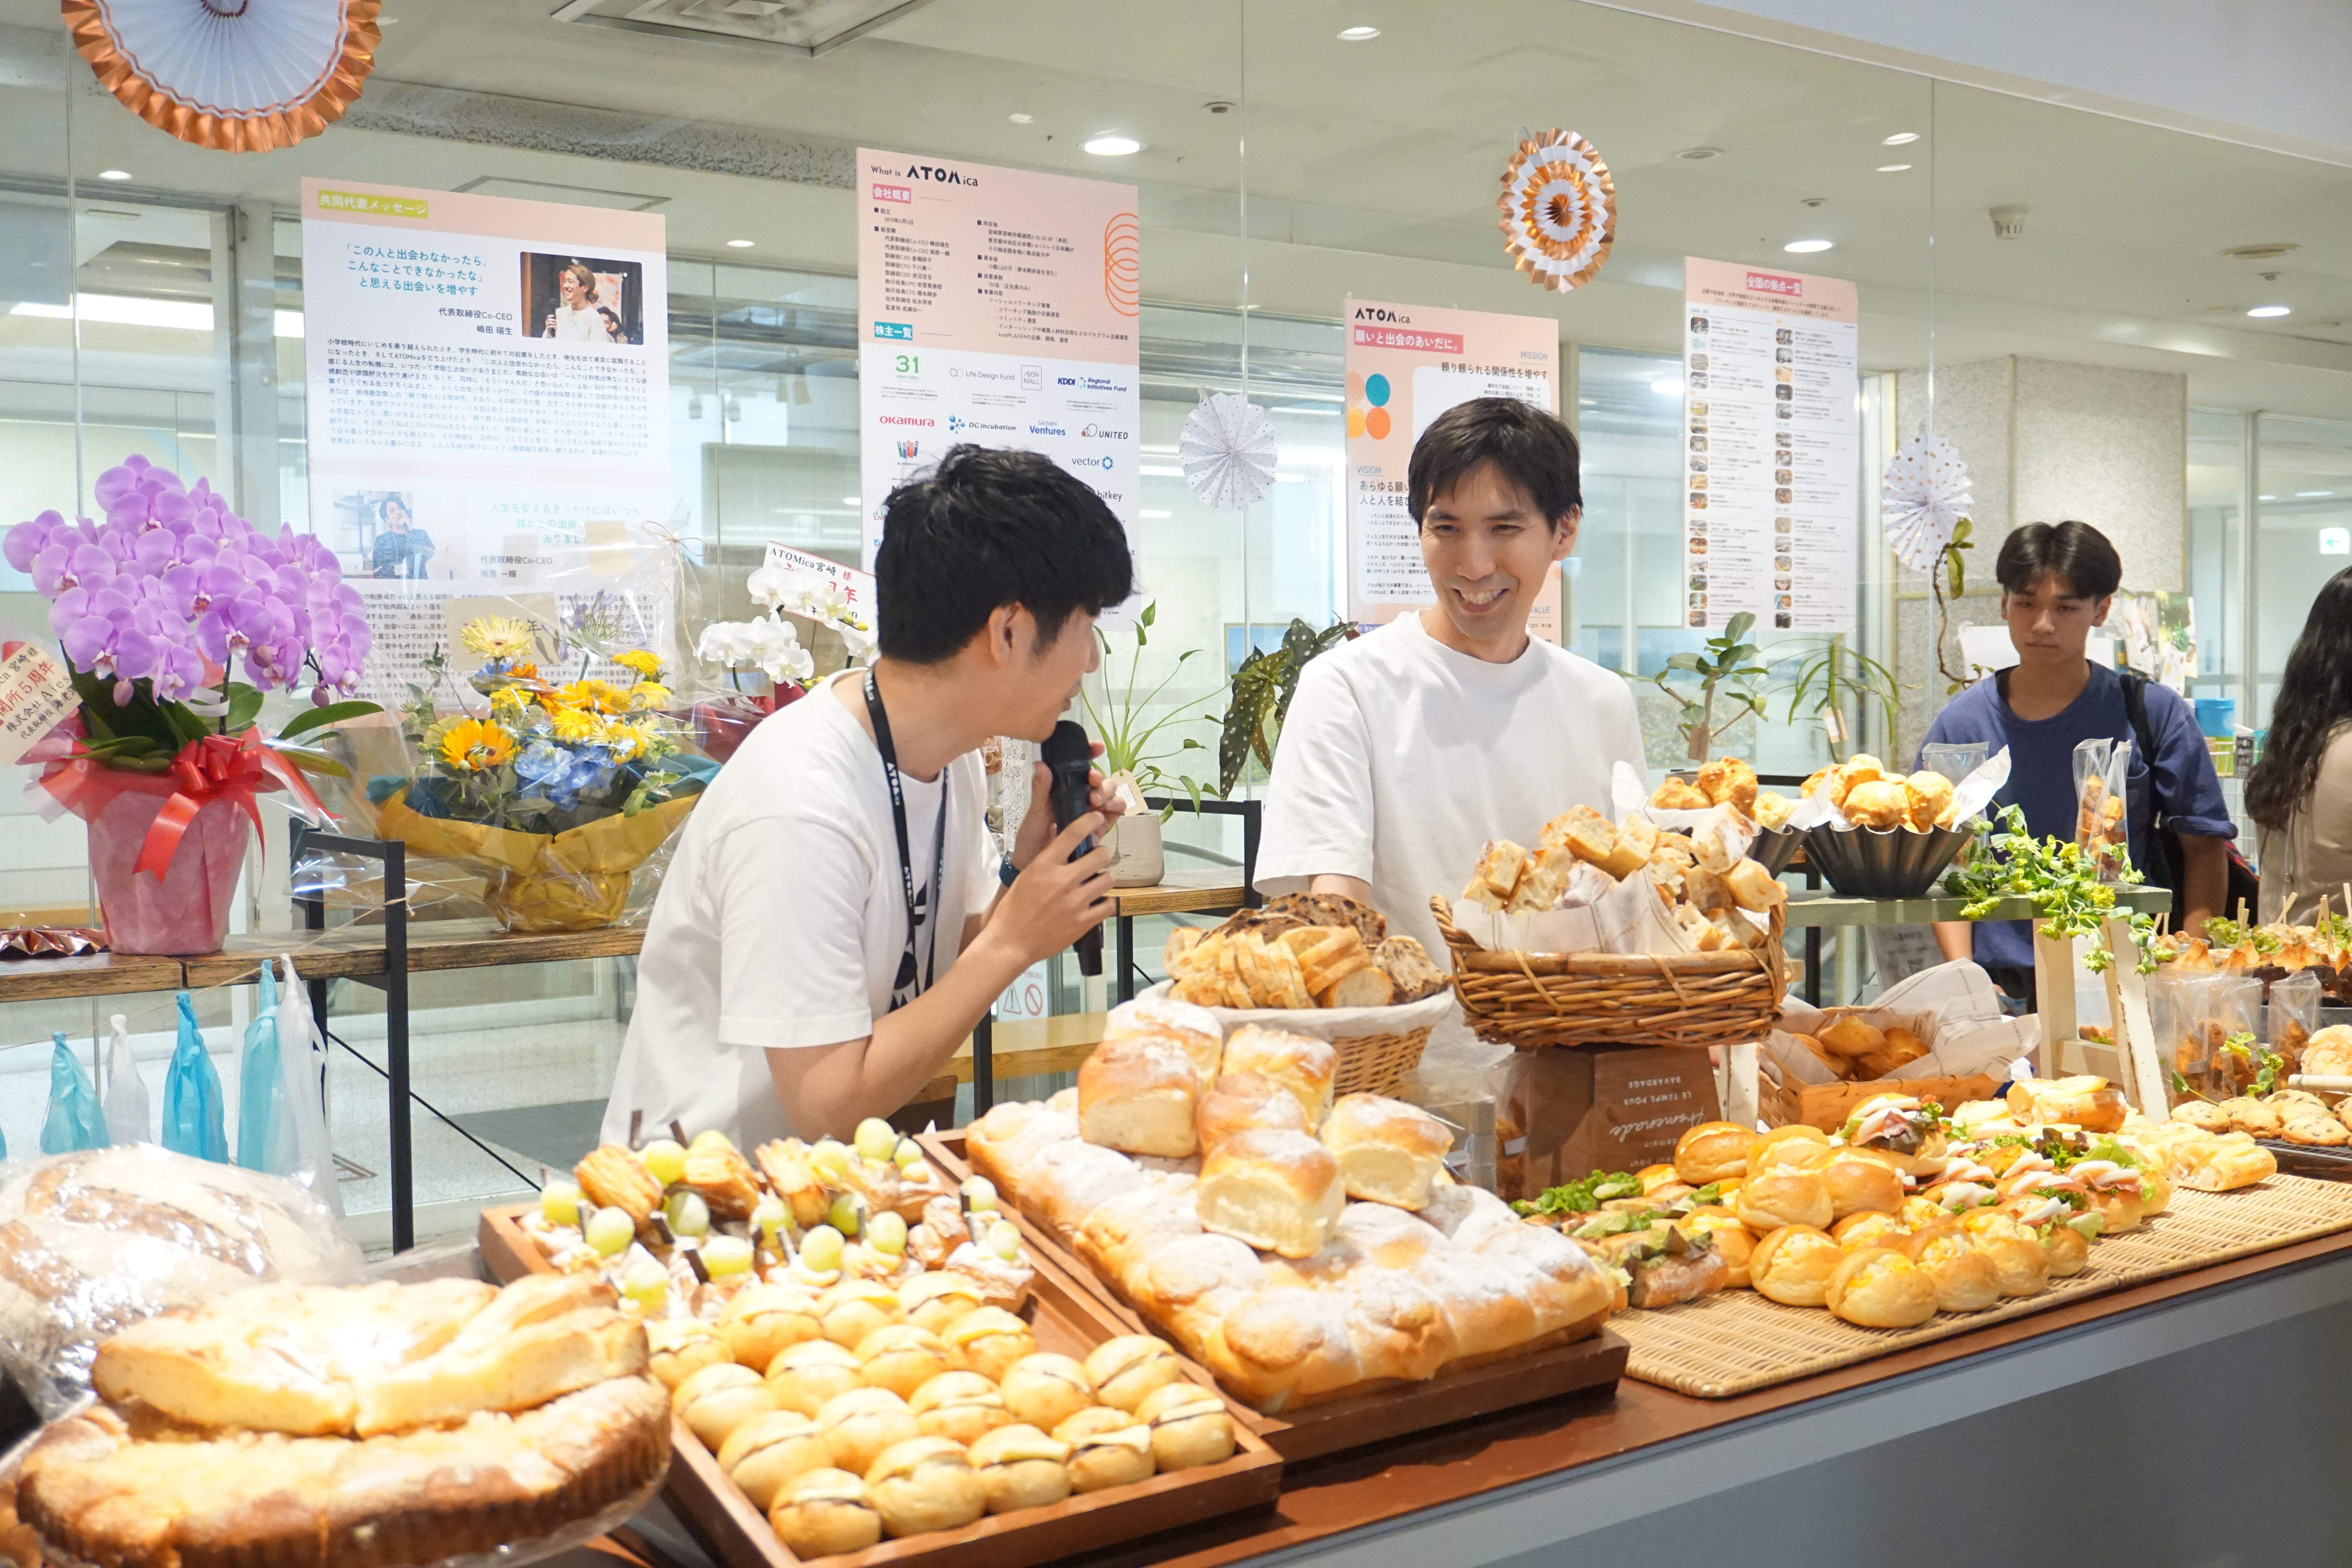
1560, 209
239, 76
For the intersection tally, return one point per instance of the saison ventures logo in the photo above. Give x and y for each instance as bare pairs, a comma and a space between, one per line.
1047, 430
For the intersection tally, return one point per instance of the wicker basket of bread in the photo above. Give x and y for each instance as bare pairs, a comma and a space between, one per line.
1720, 916
1317, 964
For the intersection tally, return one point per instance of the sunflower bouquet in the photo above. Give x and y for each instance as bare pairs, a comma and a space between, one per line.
558, 791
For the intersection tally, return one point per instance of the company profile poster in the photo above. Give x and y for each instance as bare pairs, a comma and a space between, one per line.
1406, 366
998, 307
1771, 446
486, 409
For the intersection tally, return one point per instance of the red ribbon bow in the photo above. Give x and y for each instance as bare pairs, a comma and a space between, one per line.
214, 767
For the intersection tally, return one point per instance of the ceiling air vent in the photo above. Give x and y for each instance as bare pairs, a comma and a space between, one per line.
795, 27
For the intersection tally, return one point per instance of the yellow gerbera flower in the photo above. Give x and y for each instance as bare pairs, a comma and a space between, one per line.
526, 670
510, 698
649, 694
593, 696
497, 637
475, 747
574, 726
627, 740
647, 664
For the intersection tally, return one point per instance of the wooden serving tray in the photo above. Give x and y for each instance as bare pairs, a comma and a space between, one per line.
1067, 1320
1385, 1410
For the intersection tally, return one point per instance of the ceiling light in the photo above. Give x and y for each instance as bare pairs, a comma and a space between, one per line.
1667, 386
738, 245
851, 500
1806, 247
2266, 498
1901, 139
2307, 495
2268, 310
1021, 119
114, 174
1893, 168
1359, 35
1112, 146
1699, 154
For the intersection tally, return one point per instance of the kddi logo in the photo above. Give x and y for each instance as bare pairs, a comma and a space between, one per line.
939, 176
1374, 313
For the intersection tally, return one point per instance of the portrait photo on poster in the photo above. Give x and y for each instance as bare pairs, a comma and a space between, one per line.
378, 533
583, 298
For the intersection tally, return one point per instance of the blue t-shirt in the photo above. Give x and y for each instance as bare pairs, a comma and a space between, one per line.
2041, 775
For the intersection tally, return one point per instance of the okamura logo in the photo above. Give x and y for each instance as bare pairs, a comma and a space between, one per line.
915, 420
1374, 313
909, 451
1047, 430
1097, 433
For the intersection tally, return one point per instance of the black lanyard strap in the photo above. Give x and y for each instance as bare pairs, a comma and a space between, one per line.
908, 973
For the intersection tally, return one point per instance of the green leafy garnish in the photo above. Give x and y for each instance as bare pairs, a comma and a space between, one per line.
2057, 878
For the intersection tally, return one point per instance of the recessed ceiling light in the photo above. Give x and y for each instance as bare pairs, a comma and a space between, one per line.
1359, 35
1806, 247
1667, 386
114, 174
1112, 146
2267, 310
1893, 168
1021, 119
1901, 139
738, 245
1699, 154
2306, 495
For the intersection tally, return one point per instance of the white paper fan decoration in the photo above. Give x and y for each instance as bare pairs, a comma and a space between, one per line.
1926, 494
1228, 451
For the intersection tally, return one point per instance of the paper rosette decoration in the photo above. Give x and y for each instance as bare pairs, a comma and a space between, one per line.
239, 76
1926, 493
1560, 209
1228, 451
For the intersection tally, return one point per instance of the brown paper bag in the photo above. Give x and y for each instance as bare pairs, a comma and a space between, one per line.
1564, 1114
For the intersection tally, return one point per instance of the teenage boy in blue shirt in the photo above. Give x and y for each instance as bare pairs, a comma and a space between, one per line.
2056, 581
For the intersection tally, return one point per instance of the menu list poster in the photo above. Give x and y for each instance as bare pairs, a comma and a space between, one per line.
1406, 366
997, 307
487, 410
1771, 445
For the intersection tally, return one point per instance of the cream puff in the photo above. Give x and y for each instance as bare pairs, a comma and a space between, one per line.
763, 1322
1189, 1426
860, 1424
677, 1348
767, 1453
988, 1341
1124, 1369
1019, 1467
938, 1299
1792, 1265
716, 1400
961, 1405
1108, 1449
925, 1484
1964, 1277
902, 1357
1878, 1287
1868, 1228
1859, 1183
824, 1513
2014, 1252
1046, 1390
808, 1374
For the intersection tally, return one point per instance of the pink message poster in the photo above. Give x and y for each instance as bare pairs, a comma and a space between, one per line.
997, 307
1406, 366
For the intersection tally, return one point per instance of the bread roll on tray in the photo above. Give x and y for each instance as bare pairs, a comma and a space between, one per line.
1792, 1265
1138, 1097
1278, 1191
1878, 1287
1389, 1152
1304, 1065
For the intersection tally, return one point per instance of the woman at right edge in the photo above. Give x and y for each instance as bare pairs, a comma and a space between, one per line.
2299, 794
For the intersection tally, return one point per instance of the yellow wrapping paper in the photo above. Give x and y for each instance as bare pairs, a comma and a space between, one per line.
573, 880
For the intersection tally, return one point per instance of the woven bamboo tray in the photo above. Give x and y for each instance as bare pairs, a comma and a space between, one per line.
1737, 1342
1528, 1000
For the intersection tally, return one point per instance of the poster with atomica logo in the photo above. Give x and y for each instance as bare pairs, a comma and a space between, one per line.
1406, 366
998, 307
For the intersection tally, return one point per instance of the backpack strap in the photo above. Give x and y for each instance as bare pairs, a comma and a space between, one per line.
2136, 710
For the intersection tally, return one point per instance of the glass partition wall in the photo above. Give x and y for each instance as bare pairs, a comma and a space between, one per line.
150, 301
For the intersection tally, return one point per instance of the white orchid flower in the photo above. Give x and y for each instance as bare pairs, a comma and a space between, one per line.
769, 586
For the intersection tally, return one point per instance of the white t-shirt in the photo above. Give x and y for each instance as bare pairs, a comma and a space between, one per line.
782, 920
1401, 758
581, 326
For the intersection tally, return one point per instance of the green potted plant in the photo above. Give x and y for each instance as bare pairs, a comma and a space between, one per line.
1726, 670
1136, 743
1262, 689
1828, 674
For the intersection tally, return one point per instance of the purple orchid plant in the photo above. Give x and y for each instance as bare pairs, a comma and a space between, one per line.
159, 605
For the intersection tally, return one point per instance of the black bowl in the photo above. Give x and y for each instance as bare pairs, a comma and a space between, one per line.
1775, 847
1866, 863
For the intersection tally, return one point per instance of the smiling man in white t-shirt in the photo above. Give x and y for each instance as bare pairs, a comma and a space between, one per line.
1406, 749
834, 922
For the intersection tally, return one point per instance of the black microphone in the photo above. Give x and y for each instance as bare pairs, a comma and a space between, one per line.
1069, 753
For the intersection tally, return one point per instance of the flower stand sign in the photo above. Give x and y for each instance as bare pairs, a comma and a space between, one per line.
164, 756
